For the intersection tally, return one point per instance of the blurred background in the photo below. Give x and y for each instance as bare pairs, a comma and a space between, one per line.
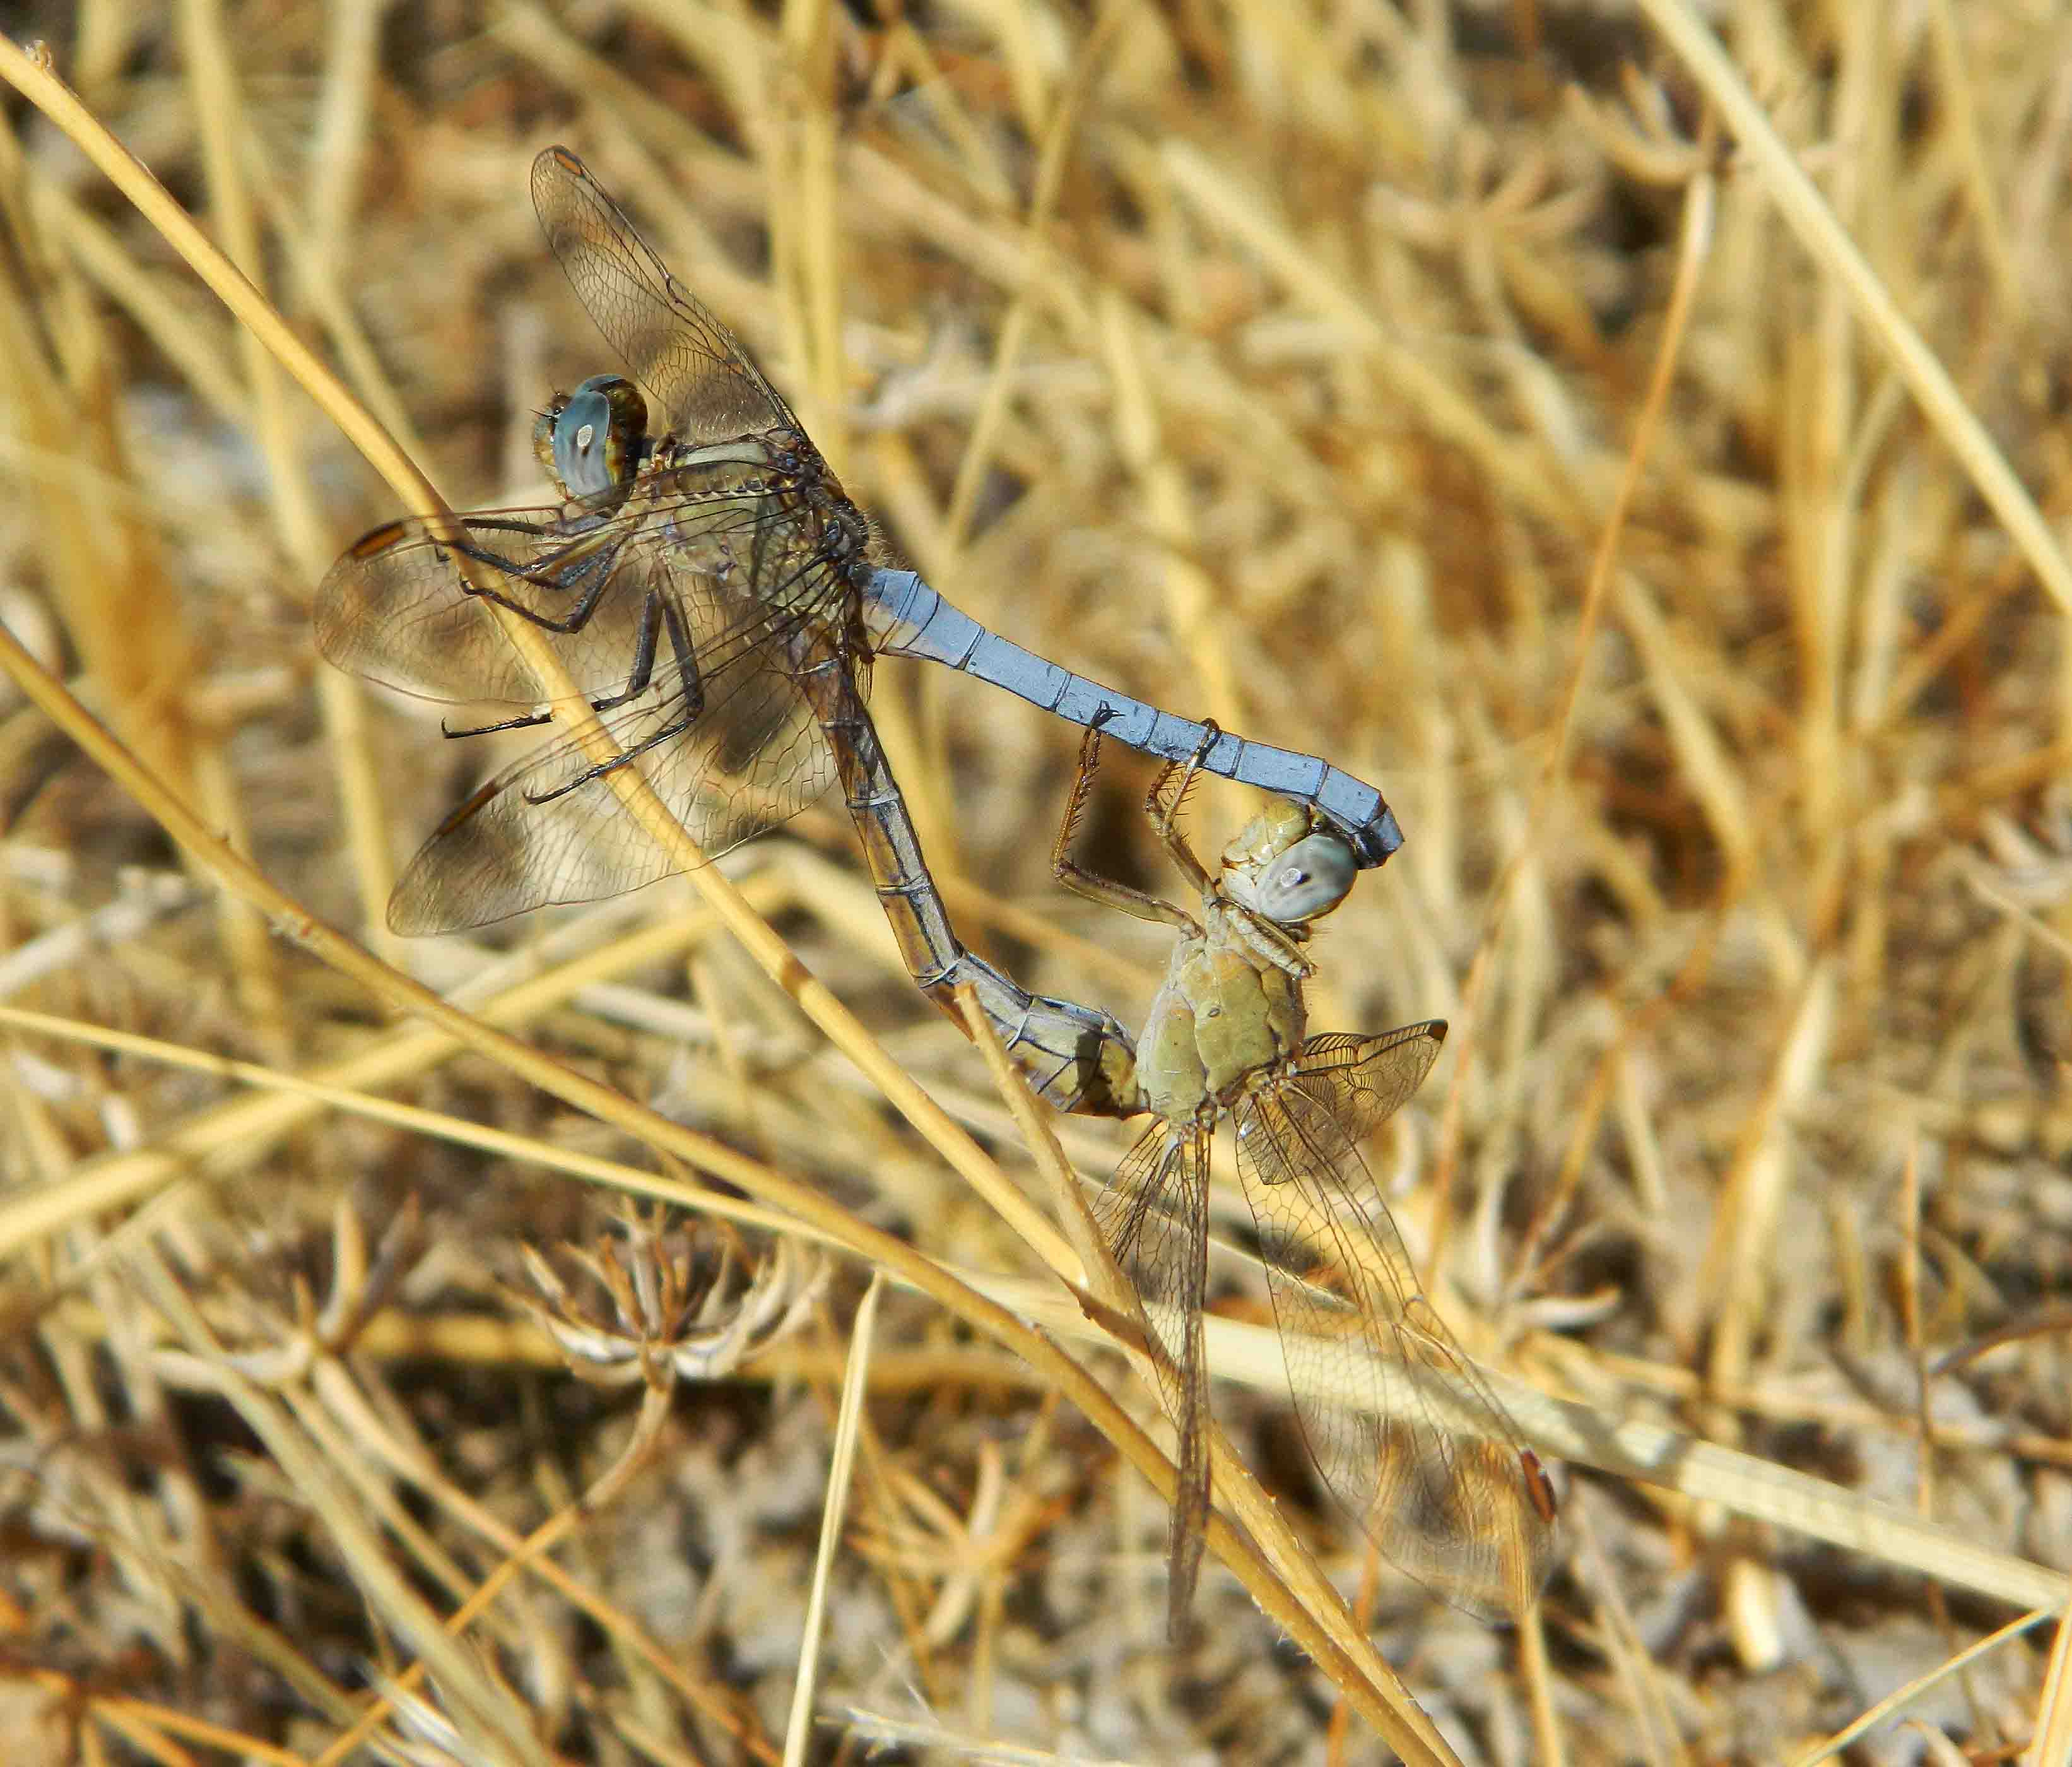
1434, 388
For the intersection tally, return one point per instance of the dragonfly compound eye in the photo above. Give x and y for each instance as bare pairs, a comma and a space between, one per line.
1308, 880
596, 436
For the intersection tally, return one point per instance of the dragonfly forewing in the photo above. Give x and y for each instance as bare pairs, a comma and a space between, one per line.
407, 605
397, 608
1362, 1079
709, 389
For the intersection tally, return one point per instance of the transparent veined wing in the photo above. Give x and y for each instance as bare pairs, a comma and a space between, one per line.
1404, 1432
399, 608
676, 348
551, 828
1153, 1213
1364, 1080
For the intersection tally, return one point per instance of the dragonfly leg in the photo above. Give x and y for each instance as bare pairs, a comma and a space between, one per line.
681, 647
1162, 803
655, 613
1094, 887
1270, 942
675, 727
523, 721
592, 568
1267, 938
682, 716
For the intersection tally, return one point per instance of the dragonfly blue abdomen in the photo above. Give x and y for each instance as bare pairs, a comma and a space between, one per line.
906, 618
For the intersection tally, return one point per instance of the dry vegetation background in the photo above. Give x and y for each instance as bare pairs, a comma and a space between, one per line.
1286, 363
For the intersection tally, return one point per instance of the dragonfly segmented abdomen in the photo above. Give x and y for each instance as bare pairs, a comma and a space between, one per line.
1077, 1057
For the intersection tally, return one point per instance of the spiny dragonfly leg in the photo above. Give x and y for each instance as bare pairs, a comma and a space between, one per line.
522, 721
1094, 887
591, 567
654, 612
689, 702
1162, 803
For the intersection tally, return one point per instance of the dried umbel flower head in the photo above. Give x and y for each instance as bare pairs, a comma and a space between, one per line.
650, 1303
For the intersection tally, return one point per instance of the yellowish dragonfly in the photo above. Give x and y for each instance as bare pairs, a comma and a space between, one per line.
1405, 1433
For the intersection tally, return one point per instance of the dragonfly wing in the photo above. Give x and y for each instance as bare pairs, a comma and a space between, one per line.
1154, 1216
1365, 1080
397, 609
551, 829
1405, 1433
676, 347
402, 606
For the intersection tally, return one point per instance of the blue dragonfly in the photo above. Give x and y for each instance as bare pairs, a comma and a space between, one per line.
709, 584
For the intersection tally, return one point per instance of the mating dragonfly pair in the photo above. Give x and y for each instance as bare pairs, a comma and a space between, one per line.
713, 590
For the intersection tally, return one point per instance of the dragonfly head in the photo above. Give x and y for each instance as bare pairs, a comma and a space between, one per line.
1288, 867
593, 439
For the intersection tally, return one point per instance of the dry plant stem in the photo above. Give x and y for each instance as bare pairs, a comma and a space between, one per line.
1321, 1607
150, 1728
1183, 585
166, 1722
2054, 1729
239, 1131
433, 1124
36, 82
1753, 1190
219, 118
335, 1382
381, 1505
1831, 248
1743, 1483
1559, 1429
1960, 93
1739, 1482
1364, 1595
1619, 1634
1549, 1746
1057, 139
793, 133
855, 1385
104, 560
1885, 1710
977, 456
1439, 403
100, 256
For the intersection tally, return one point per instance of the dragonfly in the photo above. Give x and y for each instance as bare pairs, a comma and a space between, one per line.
1404, 1432
717, 597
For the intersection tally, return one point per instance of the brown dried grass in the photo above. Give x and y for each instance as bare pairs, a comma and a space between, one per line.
1478, 397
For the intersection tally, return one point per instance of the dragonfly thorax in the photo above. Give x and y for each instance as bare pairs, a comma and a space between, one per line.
593, 440
1221, 1018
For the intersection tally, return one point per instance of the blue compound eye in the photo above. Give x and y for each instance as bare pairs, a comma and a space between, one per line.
1309, 879
592, 440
